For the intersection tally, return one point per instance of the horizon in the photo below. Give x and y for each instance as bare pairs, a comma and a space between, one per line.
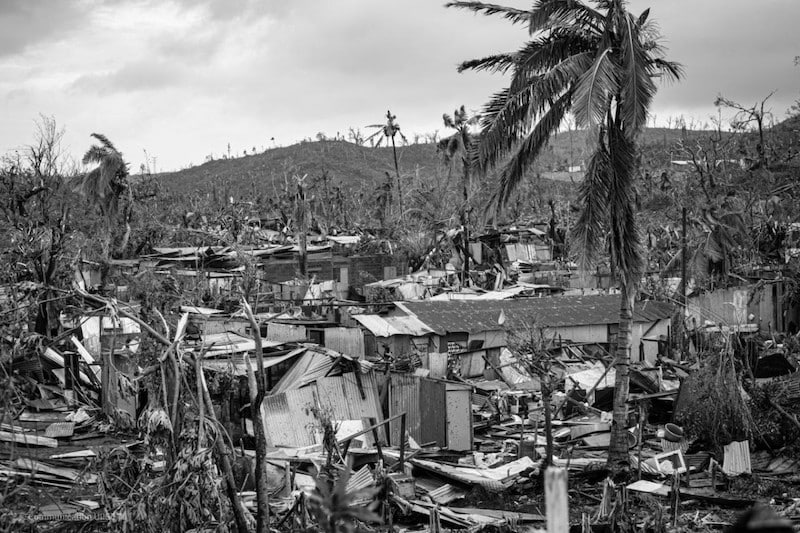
180, 80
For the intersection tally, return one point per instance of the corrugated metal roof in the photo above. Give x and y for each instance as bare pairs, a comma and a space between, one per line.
393, 325
552, 311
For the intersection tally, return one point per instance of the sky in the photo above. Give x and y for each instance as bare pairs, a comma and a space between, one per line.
182, 79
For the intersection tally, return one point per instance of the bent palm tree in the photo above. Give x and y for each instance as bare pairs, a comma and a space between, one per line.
597, 61
105, 186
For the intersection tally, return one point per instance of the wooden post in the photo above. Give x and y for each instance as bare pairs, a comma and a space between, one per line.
403, 443
676, 497
642, 417
556, 500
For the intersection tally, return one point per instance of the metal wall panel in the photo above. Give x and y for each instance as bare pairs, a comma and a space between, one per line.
433, 412
459, 420
288, 421
404, 397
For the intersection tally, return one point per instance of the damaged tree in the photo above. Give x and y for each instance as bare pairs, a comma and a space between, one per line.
599, 63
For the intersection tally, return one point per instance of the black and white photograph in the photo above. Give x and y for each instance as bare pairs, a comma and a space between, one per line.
399, 266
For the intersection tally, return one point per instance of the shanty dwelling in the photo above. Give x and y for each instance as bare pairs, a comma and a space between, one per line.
747, 308
473, 326
395, 335
438, 412
322, 384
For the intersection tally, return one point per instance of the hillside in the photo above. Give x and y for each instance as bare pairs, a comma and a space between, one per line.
354, 165
345, 162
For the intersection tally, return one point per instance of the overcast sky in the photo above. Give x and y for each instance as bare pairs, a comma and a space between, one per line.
183, 78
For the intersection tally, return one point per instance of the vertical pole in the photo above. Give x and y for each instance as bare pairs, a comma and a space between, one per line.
683, 281
556, 501
403, 443
642, 418
69, 377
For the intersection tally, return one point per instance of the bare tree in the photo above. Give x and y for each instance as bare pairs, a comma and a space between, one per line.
748, 118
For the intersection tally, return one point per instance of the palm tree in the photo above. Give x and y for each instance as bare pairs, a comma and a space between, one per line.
388, 132
458, 146
104, 186
597, 61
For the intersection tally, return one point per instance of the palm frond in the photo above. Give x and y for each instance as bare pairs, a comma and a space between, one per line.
594, 89
670, 70
104, 141
494, 63
448, 121
589, 230
547, 14
626, 242
516, 16
507, 117
529, 149
94, 154
637, 89
545, 52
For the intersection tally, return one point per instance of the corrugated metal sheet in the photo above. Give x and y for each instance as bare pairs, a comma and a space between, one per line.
349, 341
290, 423
286, 332
446, 494
433, 412
393, 325
360, 480
404, 397
224, 343
553, 311
287, 421
237, 366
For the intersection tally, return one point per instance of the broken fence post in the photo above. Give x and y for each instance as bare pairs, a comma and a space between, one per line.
556, 500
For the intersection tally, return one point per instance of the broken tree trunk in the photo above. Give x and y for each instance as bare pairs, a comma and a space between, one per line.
258, 390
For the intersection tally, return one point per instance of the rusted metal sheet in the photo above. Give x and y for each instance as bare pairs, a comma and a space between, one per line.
342, 396
349, 341
287, 418
404, 397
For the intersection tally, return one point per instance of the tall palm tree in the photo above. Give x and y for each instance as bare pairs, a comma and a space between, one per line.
104, 186
597, 61
458, 147
388, 132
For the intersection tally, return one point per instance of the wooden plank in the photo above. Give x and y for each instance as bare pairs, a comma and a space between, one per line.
556, 500
31, 440
51, 416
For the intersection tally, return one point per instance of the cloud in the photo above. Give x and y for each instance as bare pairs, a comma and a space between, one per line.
26, 23
139, 76
183, 78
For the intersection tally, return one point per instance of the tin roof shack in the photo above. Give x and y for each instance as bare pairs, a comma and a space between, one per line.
759, 306
437, 411
473, 325
399, 335
322, 384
